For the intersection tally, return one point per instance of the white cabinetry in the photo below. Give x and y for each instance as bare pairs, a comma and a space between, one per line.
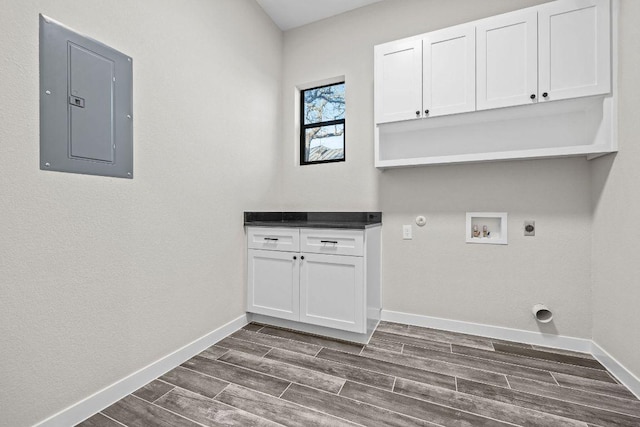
426, 77
501, 73
329, 278
507, 55
332, 292
273, 272
574, 46
398, 85
559, 50
274, 283
449, 85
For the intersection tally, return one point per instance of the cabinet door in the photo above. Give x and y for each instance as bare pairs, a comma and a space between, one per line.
449, 71
274, 283
332, 292
574, 49
398, 81
507, 60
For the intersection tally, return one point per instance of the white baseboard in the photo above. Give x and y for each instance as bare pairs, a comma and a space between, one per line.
626, 377
98, 401
111, 394
617, 369
497, 332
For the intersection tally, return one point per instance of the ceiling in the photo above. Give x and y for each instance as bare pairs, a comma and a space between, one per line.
288, 14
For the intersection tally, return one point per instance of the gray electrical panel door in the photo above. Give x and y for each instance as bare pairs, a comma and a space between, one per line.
86, 123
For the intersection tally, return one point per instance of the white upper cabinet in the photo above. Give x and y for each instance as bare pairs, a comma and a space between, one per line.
554, 51
507, 60
559, 50
398, 87
449, 68
574, 49
501, 72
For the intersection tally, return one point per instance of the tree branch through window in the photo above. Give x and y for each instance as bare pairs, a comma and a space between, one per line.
322, 124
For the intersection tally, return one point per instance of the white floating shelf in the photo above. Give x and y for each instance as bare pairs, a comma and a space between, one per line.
574, 127
487, 228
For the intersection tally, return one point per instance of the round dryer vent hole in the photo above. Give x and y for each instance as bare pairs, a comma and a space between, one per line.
542, 313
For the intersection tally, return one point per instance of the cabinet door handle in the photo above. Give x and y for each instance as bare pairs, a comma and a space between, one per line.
271, 239
417, 113
295, 257
335, 242
426, 112
302, 257
533, 96
545, 95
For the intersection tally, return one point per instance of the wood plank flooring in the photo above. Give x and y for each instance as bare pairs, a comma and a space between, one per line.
406, 376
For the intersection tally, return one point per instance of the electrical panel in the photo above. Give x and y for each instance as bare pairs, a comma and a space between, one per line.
86, 108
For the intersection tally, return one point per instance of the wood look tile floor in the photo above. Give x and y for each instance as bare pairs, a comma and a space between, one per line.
406, 376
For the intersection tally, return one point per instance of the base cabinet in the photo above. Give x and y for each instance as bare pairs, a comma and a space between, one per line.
330, 278
332, 291
273, 278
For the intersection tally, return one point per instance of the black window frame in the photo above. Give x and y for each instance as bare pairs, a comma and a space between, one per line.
304, 127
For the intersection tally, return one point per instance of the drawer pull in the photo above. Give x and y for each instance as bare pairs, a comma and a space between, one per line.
335, 242
271, 239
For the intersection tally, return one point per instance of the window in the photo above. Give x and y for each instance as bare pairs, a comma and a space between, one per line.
322, 124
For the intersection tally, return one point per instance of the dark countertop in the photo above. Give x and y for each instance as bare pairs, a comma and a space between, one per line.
354, 220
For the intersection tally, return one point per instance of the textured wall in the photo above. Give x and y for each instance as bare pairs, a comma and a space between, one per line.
616, 220
436, 273
100, 276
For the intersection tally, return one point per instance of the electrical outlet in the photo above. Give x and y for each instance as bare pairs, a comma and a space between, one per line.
407, 232
529, 227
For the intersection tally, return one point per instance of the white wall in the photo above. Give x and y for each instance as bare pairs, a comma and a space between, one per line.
100, 276
616, 220
436, 273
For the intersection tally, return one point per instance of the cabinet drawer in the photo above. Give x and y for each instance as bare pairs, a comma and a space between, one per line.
273, 239
337, 242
